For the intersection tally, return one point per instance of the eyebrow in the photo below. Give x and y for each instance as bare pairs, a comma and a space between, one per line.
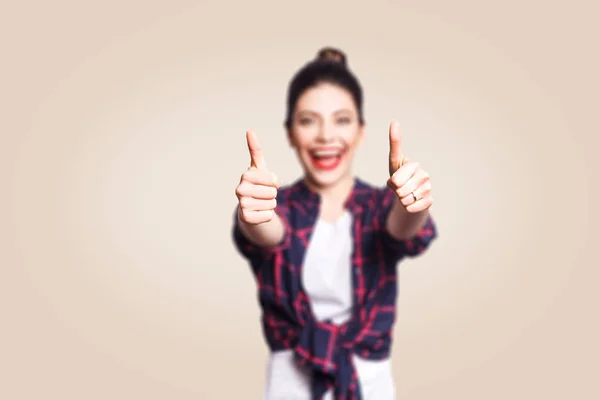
342, 110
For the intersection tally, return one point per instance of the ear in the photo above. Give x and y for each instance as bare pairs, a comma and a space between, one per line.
361, 133
290, 138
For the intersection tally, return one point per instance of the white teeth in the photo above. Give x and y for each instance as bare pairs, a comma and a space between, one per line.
326, 153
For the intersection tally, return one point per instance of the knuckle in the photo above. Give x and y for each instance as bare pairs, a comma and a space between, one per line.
244, 202
271, 178
246, 176
244, 214
402, 191
238, 191
390, 183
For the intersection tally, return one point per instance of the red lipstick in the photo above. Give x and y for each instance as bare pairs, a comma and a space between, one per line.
326, 159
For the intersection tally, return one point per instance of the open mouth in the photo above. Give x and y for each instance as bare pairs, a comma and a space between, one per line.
326, 158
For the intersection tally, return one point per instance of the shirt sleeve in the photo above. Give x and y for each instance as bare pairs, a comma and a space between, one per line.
410, 247
256, 255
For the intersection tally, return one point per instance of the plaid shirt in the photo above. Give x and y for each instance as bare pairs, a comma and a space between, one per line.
287, 320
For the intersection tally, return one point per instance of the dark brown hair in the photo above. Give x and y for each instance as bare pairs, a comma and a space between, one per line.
329, 66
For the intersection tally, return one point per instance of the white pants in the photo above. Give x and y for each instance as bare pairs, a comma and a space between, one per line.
286, 380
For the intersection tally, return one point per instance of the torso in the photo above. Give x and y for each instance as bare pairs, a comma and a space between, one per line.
288, 292
327, 280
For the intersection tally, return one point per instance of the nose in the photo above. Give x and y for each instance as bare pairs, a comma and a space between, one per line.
326, 134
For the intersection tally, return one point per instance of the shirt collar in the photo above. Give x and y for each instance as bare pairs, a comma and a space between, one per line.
360, 194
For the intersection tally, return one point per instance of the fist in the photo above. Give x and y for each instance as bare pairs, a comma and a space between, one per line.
257, 190
407, 179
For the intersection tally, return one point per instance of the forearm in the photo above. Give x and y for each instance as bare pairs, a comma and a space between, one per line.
266, 234
402, 224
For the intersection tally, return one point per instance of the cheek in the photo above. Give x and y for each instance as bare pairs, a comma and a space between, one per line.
352, 139
301, 140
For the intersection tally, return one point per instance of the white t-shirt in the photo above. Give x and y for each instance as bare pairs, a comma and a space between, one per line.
326, 277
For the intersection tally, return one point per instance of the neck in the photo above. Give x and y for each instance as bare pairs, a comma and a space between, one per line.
336, 193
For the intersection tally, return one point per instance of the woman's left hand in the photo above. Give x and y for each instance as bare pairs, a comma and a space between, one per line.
407, 179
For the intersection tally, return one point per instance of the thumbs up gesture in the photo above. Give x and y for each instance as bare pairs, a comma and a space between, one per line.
257, 190
407, 179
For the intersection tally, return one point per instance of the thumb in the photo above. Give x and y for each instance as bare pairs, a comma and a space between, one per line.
257, 159
396, 156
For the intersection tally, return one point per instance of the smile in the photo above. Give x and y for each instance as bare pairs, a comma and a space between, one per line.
326, 158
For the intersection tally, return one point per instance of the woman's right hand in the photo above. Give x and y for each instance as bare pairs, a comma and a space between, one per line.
257, 190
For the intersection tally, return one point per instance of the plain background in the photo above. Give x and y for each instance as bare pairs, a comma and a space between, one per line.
122, 141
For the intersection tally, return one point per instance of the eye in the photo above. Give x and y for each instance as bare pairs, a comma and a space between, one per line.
305, 121
343, 120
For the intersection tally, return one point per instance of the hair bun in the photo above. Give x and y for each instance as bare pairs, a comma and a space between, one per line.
332, 54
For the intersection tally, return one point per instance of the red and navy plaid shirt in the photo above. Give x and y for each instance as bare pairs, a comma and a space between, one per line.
287, 319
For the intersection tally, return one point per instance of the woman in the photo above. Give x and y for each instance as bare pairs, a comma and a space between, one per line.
324, 250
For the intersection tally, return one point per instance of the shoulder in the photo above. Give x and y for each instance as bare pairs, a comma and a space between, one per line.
284, 191
368, 193
296, 193
284, 194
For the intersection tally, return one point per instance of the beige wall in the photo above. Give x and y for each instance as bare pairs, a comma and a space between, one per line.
122, 140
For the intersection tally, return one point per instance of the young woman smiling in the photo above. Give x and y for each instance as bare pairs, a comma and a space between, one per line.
324, 250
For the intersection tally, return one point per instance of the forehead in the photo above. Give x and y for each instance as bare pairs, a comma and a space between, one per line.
325, 98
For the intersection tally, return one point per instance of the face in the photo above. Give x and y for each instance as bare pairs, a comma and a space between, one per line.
325, 133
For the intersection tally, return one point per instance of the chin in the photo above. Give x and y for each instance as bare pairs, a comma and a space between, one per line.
324, 179
323, 182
